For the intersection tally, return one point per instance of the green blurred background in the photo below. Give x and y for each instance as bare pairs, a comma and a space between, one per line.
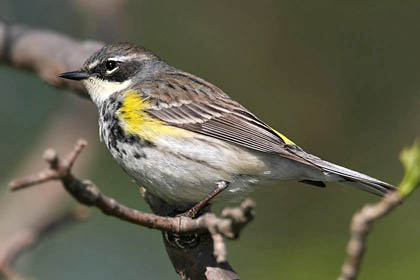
340, 78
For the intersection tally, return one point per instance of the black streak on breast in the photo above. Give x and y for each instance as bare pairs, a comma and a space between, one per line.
116, 134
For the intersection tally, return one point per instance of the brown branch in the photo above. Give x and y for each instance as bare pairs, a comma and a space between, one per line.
199, 262
25, 214
228, 225
363, 221
45, 53
361, 226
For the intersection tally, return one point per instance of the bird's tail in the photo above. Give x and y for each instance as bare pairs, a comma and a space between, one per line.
358, 180
347, 176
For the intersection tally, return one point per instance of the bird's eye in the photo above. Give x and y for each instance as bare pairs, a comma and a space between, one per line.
110, 65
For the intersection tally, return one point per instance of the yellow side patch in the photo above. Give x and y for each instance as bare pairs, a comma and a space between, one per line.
136, 121
285, 139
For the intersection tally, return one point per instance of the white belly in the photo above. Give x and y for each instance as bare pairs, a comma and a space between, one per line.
183, 171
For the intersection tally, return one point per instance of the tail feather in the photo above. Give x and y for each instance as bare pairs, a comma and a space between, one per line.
349, 177
356, 179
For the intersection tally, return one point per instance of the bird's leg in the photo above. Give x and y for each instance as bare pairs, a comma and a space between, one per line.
220, 186
191, 240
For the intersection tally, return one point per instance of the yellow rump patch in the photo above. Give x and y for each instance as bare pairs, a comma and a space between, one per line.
136, 121
285, 139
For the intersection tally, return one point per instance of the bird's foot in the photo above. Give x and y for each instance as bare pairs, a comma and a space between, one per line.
191, 240
191, 213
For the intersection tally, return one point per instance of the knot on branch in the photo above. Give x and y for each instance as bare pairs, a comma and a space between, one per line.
229, 225
239, 217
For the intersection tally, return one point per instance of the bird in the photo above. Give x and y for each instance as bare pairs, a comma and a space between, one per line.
186, 141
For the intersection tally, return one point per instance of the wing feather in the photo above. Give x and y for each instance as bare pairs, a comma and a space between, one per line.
185, 101
195, 105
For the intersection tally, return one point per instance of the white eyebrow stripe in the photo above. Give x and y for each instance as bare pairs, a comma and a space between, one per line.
129, 57
93, 64
121, 58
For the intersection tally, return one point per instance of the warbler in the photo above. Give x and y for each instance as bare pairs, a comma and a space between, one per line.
180, 136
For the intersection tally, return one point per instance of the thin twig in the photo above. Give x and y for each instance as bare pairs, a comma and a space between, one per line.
229, 225
361, 226
364, 220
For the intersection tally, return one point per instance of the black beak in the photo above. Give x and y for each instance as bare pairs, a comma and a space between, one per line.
74, 75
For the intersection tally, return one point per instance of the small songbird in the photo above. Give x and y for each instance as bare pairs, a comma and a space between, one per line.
185, 140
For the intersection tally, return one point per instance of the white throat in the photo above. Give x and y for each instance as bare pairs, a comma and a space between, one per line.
100, 90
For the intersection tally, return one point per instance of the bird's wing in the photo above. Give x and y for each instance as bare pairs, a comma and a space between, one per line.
187, 102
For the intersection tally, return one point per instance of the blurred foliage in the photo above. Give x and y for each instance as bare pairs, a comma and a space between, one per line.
341, 79
410, 158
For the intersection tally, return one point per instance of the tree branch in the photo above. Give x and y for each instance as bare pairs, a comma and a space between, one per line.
25, 214
45, 53
363, 221
228, 225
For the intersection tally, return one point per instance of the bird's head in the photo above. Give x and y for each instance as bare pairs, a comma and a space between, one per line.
114, 68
